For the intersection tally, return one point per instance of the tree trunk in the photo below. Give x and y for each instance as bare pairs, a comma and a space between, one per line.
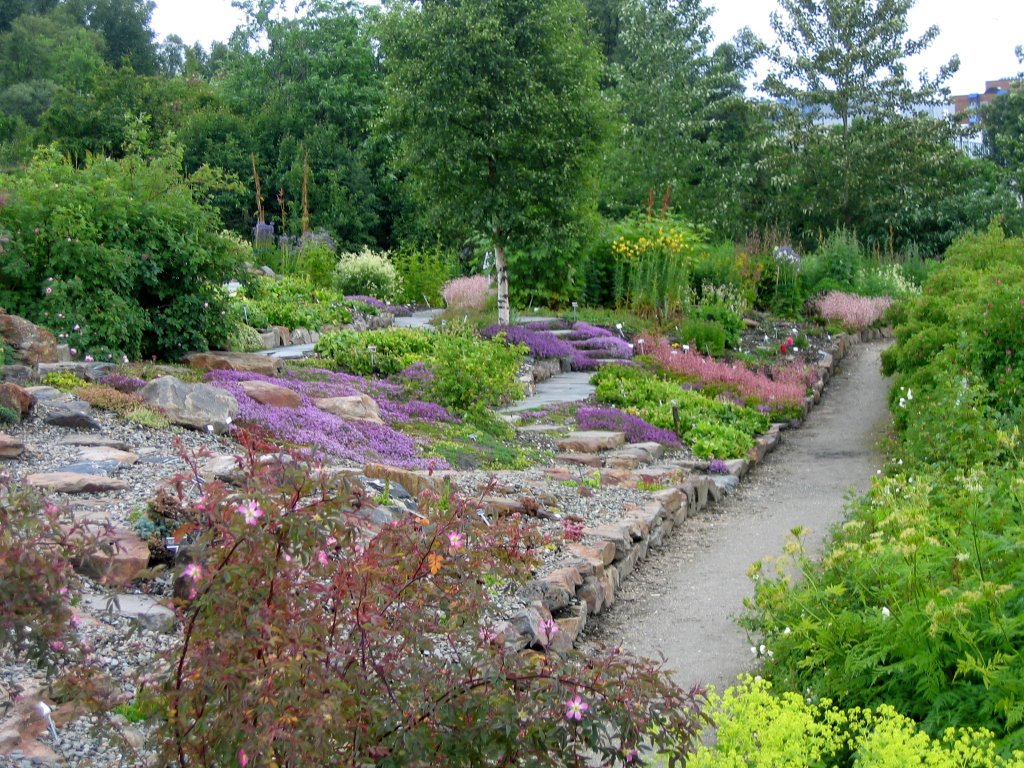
501, 273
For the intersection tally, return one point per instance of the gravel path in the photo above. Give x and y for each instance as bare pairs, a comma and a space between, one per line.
683, 601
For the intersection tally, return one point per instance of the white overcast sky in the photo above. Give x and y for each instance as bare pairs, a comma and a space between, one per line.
983, 33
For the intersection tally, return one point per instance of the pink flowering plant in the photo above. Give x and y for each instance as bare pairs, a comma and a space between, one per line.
312, 636
778, 388
854, 312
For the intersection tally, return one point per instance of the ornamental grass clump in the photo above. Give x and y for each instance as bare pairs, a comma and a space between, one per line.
854, 312
469, 293
310, 637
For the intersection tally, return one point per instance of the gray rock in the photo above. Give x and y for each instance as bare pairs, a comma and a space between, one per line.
93, 441
146, 611
197, 406
73, 414
91, 467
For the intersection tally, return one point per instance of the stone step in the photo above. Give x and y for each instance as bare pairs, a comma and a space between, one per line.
591, 441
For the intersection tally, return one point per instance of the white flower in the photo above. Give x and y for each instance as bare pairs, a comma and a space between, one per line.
787, 631
962, 557
910, 394
886, 613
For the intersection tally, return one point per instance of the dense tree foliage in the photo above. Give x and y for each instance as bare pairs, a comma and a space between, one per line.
497, 117
616, 99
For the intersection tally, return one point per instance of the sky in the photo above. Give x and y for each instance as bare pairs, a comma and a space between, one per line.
983, 33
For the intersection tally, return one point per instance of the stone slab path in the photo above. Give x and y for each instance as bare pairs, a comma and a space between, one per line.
561, 388
682, 603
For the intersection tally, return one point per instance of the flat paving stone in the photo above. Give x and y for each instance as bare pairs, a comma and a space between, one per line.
591, 441
563, 388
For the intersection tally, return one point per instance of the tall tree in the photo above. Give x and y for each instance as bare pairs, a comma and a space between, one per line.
684, 115
124, 24
849, 56
1003, 127
498, 118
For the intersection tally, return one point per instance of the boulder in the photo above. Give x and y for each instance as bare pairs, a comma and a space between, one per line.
88, 371
413, 482
71, 414
10, 447
146, 611
18, 374
119, 558
75, 482
197, 406
16, 398
271, 394
32, 344
591, 441
235, 361
357, 407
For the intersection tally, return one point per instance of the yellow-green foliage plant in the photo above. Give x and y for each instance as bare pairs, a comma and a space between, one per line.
755, 727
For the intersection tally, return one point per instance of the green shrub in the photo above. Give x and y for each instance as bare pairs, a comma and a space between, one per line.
9, 415
704, 335
117, 254
470, 372
836, 264
315, 261
367, 273
423, 272
244, 338
65, 381
290, 301
758, 728
383, 352
712, 428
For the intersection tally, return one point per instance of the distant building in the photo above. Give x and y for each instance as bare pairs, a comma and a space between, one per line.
968, 106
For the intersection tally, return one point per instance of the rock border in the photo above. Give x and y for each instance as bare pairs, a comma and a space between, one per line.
584, 583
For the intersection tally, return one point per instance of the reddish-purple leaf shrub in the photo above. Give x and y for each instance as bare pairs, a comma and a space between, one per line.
854, 312
122, 383
636, 429
785, 385
312, 638
38, 544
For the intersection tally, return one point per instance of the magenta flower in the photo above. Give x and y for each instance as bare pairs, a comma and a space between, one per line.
89, 359
72, 351
250, 511
243, 758
49, 290
193, 571
321, 557
548, 629
456, 540
575, 708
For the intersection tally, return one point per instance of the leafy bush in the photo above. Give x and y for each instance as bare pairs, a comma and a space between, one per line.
424, 272
702, 421
756, 728
308, 640
316, 261
244, 338
383, 352
470, 293
291, 302
38, 543
836, 264
704, 335
65, 381
368, 272
118, 253
470, 372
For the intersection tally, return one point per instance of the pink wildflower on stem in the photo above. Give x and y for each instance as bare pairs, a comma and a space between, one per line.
193, 571
321, 557
251, 511
575, 708
548, 629
243, 758
456, 540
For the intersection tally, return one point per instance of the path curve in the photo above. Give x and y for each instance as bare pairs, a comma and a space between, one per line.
683, 601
